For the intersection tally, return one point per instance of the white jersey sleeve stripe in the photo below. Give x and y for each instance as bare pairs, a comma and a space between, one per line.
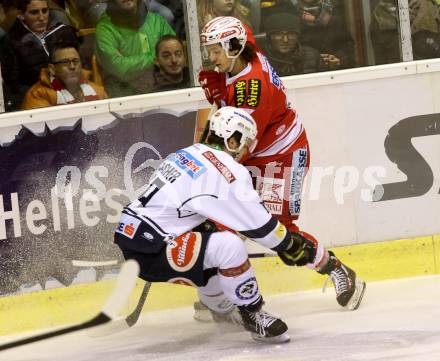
278, 147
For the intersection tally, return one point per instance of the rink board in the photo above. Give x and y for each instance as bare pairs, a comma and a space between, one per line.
375, 261
367, 127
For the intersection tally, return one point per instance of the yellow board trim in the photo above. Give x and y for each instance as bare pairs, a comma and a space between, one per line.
372, 262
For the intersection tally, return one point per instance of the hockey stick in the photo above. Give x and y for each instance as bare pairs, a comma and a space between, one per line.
127, 322
125, 284
132, 318
262, 255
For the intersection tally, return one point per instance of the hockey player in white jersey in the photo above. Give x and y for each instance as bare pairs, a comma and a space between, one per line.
190, 186
203, 182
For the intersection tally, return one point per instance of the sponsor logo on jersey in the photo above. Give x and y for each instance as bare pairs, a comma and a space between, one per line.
247, 290
263, 61
224, 170
254, 92
128, 225
186, 162
182, 281
184, 253
297, 178
240, 92
147, 236
274, 78
271, 191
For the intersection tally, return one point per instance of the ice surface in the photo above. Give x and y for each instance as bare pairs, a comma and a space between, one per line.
397, 321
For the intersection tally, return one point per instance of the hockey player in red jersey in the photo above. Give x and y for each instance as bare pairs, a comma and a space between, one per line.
280, 160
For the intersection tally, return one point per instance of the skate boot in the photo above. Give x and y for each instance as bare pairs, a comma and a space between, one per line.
203, 313
263, 326
349, 288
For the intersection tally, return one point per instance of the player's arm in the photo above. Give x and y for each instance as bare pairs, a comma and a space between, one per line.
238, 207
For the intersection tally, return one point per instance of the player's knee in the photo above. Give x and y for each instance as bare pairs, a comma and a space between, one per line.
227, 249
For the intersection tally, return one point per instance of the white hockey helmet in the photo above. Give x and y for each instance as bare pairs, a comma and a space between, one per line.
221, 30
228, 120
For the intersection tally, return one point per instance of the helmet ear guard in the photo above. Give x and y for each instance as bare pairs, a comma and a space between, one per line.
228, 120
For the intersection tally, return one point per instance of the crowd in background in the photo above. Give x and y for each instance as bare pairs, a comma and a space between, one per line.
65, 51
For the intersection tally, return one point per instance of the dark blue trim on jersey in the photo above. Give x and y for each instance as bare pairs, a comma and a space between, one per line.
262, 231
190, 199
142, 218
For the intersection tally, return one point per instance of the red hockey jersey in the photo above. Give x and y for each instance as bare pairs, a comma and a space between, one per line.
260, 91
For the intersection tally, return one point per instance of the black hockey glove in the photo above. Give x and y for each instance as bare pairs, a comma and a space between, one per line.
301, 252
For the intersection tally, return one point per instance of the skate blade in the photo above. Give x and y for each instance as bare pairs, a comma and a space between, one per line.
283, 338
356, 299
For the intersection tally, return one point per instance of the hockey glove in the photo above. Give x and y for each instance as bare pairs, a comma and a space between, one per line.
301, 252
214, 85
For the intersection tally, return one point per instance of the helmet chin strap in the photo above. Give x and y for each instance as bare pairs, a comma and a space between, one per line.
231, 66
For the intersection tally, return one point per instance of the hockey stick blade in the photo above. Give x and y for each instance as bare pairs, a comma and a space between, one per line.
125, 284
125, 323
132, 318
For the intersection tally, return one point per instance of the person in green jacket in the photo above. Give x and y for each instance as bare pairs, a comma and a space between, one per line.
126, 36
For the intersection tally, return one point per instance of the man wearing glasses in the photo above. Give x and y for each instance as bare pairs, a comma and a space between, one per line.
63, 81
26, 48
283, 48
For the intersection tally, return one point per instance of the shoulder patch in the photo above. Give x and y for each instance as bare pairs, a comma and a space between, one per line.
254, 92
224, 170
240, 92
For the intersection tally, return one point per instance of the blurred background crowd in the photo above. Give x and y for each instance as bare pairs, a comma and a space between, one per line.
56, 52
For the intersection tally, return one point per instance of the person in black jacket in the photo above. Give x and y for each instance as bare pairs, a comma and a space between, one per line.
283, 48
324, 28
26, 48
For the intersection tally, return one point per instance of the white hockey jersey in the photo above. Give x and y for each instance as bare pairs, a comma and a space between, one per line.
197, 183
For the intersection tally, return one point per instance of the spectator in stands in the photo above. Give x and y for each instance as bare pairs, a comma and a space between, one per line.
90, 11
210, 9
26, 49
384, 31
8, 14
126, 36
283, 49
2, 20
425, 28
57, 12
170, 69
178, 20
325, 29
63, 81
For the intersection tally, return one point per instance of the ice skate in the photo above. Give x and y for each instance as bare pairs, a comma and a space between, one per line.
203, 314
263, 326
349, 288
